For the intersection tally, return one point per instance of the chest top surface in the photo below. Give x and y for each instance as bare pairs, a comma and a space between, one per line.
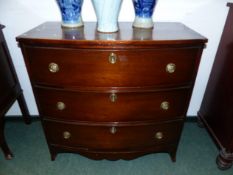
162, 33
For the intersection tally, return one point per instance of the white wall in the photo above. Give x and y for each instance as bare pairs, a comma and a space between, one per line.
205, 16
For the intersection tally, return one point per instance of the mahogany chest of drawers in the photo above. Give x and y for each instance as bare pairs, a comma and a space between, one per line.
216, 111
112, 96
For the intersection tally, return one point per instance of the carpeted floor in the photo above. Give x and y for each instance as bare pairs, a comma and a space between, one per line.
196, 156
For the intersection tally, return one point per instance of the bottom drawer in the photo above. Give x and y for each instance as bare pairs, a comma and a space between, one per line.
106, 137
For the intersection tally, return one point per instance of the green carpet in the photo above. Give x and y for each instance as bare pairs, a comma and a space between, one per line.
196, 156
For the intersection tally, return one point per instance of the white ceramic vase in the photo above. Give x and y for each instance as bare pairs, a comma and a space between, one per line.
107, 12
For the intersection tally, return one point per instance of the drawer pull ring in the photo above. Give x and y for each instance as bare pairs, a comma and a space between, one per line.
61, 106
159, 135
113, 130
112, 58
53, 67
170, 68
66, 135
113, 97
164, 105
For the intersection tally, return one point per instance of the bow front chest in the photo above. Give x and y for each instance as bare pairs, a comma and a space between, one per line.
112, 96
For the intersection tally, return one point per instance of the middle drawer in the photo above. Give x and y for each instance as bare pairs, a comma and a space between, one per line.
112, 107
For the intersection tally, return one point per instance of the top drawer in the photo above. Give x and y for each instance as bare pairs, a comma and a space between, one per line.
111, 68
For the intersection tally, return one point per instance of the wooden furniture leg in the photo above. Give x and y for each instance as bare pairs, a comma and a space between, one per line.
24, 109
224, 160
3, 144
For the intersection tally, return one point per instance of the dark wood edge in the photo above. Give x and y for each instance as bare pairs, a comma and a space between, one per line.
210, 131
2, 26
15, 93
188, 119
9, 59
115, 89
96, 44
229, 4
204, 39
105, 124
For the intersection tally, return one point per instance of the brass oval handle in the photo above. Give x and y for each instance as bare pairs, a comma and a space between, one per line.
66, 135
113, 97
112, 58
165, 105
53, 67
61, 106
170, 68
113, 130
159, 135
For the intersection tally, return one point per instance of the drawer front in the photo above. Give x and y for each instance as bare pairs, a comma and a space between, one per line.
103, 68
103, 137
107, 107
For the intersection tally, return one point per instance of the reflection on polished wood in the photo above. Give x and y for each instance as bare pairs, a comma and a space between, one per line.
162, 33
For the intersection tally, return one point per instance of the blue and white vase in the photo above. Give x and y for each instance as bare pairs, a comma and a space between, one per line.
143, 13
71, 12
107, 12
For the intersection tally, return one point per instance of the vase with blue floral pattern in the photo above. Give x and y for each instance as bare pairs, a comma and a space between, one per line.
71, 12
143, 13
107, 12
